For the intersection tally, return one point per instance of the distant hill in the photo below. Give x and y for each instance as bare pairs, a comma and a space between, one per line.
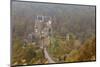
76, 19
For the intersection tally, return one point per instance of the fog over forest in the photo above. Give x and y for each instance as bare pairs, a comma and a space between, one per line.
66, 34
79, 20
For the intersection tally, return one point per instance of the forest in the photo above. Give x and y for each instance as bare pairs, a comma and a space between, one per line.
44, 33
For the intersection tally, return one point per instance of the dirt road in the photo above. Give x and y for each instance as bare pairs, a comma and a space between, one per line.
47, 56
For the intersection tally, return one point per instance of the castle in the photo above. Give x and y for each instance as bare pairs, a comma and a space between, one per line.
43, 29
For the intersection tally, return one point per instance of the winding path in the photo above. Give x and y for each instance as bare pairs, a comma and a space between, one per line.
48, 57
